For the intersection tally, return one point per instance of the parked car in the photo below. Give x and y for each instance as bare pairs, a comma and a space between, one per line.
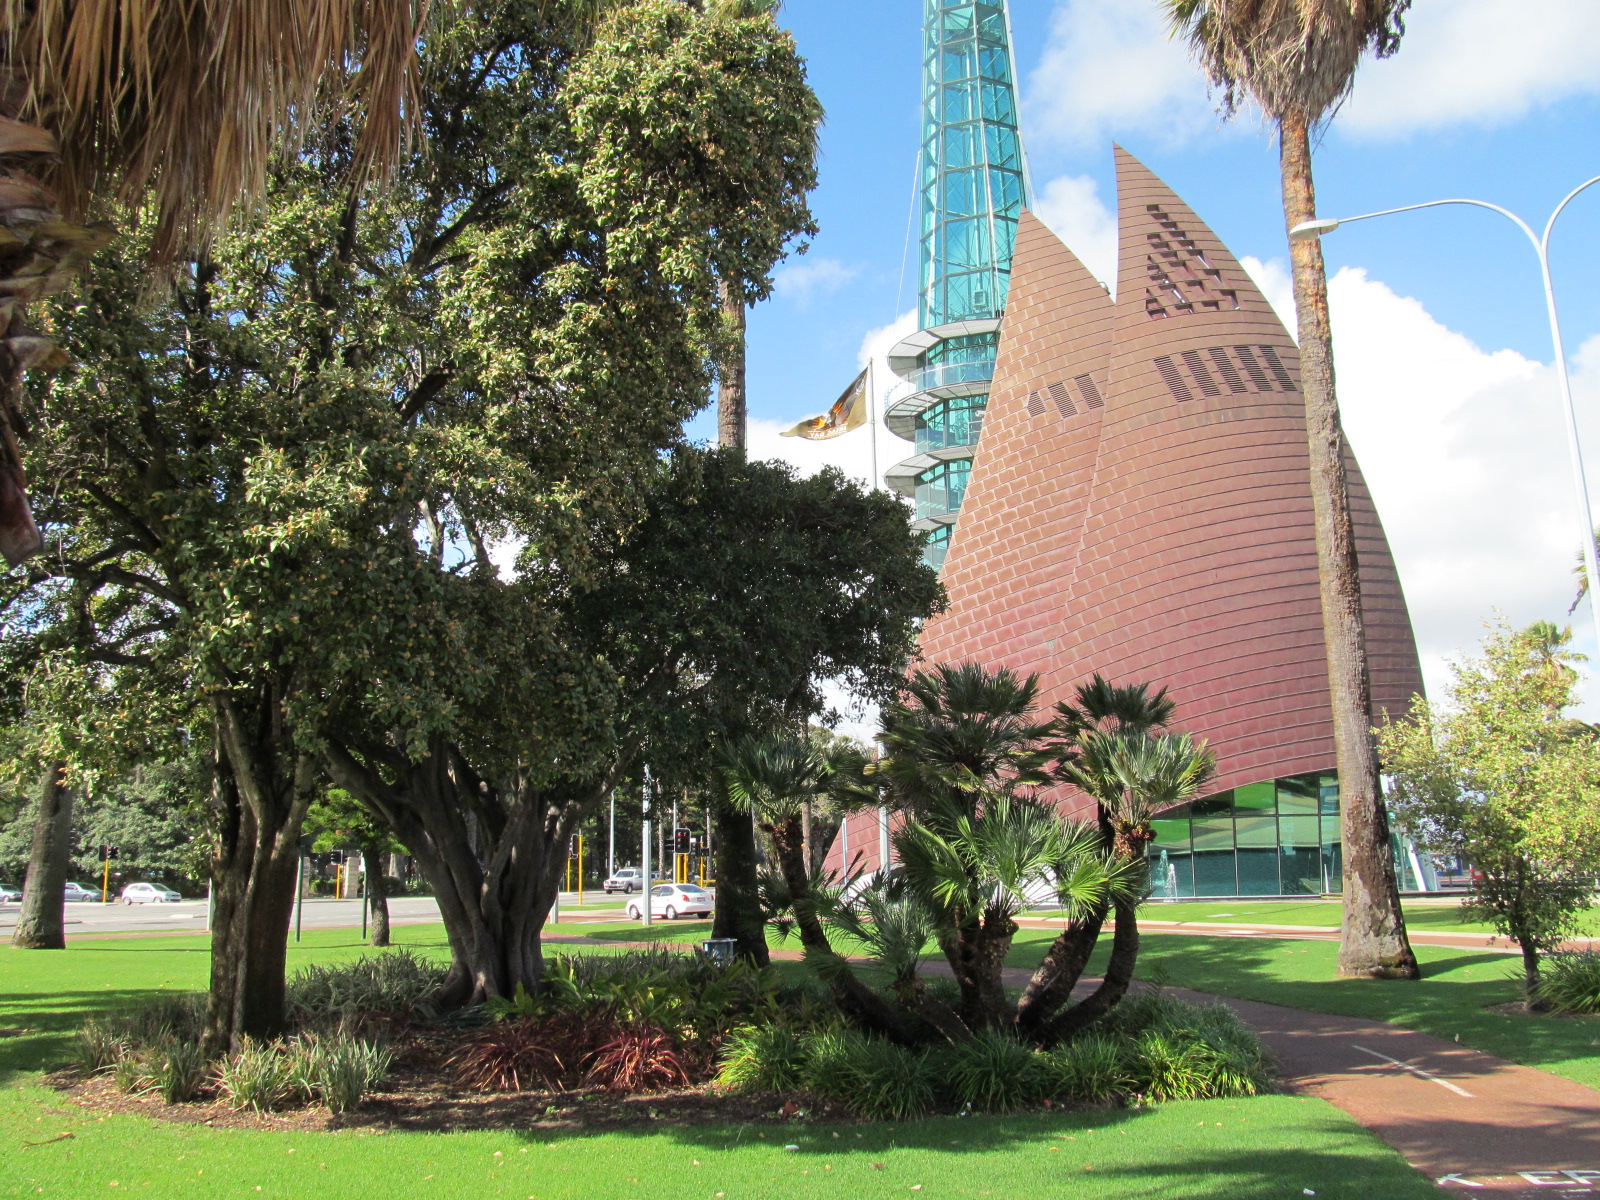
625, 881
674, 900
149, 893
10, 895
76, 891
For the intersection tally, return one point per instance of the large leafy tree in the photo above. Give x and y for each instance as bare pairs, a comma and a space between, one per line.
177, 106
741, 590
1297, 59
282, 483
1498, 774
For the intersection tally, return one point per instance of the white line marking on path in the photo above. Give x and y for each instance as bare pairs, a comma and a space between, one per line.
1418, 1071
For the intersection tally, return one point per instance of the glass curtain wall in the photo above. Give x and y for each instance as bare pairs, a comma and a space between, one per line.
942, 487
955, 422
1280, 838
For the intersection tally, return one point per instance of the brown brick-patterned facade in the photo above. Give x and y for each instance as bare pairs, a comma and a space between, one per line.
1140, 499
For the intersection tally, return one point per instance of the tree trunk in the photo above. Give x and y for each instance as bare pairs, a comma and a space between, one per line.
1373, 938
260, 792
1056, 976
977, 957
1113, 987
377, 895
855, 999
738, 911
731, 422
41, 923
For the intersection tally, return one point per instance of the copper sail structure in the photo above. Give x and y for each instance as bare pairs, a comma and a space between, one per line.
1140, 506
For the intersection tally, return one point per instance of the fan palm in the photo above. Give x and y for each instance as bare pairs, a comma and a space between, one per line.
777, 778
181, 104
1297, 59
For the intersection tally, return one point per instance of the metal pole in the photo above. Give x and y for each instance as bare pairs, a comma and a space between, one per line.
299, 891
883, 840
611, 844
365, 893
872, 415
644, 905
1541, 247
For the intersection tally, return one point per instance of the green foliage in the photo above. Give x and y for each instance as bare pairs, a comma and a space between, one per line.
1090, 1069
179, 1070
762, 1058
1175, 1050
256, 1076
399, 982
992, 1072
1569, 982
1497, 774
334, 1070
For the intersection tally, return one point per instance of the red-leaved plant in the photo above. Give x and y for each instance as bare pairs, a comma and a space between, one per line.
639, 1058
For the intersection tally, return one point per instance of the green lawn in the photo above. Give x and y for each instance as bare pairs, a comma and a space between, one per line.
1270, 1146
1421, 915
1267, 1147
1452, 999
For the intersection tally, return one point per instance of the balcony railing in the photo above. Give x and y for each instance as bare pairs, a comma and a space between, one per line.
944, 374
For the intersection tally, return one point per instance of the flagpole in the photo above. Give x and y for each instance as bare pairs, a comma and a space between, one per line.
872, 414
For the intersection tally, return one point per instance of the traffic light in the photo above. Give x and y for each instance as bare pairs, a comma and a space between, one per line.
682, 840
107, 853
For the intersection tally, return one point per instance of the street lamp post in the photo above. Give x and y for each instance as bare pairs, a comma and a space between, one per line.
1541, 247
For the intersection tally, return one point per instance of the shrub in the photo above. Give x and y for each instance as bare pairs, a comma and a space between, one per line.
396, 981
763, 1058
132, 1073
830, 1059
350, 1068
1181, 1051
516, 1056
893, 1083
993, 1072
257, 1077
638, 1058
1569, 982
1089, 1069
98, 1047
178, 1070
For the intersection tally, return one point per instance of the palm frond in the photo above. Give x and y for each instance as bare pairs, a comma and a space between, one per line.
189, 100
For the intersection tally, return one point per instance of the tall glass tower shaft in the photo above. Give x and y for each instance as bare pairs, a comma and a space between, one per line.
972, 184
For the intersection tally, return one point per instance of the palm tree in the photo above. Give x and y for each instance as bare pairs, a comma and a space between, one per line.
776, 778
175, 106
1297, 59
1133, 775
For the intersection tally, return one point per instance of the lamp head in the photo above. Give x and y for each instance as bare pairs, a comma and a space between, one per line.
1312, 229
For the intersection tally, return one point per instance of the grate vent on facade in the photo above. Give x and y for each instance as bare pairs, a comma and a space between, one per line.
1089, 390
1225, 362
1035, 404
1063, 399
1179, 277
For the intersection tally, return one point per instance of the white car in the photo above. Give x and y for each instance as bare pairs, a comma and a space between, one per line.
149, 893
673, 900
76, 891
625, 881
10, 895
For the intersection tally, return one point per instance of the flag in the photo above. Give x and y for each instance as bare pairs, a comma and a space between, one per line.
849, 412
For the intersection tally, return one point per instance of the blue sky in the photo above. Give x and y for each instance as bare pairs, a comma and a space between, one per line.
1441, 340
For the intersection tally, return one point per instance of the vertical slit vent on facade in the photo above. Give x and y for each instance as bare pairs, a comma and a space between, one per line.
1225, 368
1247, 359
1275, 365
1090, 393
1063, 398
1197, 370
1175, 384
1035, 404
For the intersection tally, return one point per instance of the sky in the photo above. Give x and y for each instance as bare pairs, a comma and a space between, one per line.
1442, 343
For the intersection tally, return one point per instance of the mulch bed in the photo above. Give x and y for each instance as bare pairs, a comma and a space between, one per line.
420, 1095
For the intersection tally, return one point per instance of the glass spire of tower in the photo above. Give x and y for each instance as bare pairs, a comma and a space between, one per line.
972, 185
971, 172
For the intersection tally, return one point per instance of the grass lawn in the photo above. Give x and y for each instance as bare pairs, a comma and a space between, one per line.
1421, 915
1269, 1146
1451, 1000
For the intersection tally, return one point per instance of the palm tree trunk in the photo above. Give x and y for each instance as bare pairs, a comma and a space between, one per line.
738, 911
41, 924
1373, 938
1113, 987
731, 413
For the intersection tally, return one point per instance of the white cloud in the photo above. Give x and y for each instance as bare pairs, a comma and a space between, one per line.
804, 279
1481, 62
1071, 206
1272, 277
1467, 460
1109, 70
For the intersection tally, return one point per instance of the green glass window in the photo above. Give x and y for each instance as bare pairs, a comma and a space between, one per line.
1256, 798
1258, 873
951, 423
1171, 832
942, 487
1256, 831
936, 545
1299, 794
1213, 833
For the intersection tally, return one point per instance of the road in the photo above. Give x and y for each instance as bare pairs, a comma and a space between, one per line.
87, 918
